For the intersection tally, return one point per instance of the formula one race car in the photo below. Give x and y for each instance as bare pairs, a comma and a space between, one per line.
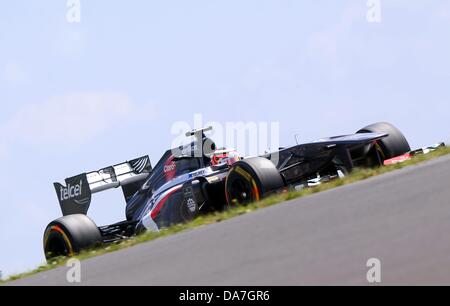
198, 178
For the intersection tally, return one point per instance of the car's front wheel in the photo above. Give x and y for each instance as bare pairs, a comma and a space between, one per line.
249, 180
395, 144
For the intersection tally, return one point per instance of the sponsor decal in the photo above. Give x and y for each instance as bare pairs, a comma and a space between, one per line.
398, 159
189, 196
213, 179
75, 196
170, 168
196, 174
71, 191
191, 205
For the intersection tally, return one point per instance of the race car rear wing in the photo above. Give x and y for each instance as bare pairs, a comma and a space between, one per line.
75, 197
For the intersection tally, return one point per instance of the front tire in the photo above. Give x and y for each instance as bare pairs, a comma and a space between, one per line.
251, 179
391, 146
70, 235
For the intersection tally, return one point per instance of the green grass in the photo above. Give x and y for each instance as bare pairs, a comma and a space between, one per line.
357, 175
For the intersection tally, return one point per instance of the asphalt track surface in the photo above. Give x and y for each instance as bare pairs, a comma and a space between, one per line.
402, 218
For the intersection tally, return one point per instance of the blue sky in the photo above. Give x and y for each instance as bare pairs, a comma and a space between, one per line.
80, 96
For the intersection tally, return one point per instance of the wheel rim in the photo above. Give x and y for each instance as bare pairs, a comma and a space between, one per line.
240, 192
56, 246
57, 243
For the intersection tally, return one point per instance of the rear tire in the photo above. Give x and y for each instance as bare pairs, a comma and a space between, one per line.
391, 146
251, 179
70, 235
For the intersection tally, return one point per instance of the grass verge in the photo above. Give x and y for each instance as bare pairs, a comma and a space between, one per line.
357, 175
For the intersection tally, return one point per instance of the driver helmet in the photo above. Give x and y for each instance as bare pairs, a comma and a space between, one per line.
224, 156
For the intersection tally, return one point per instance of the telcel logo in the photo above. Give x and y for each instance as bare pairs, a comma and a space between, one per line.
70, 191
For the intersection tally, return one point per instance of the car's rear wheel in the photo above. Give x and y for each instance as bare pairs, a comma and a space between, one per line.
70, 235
251, 179
391, 146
